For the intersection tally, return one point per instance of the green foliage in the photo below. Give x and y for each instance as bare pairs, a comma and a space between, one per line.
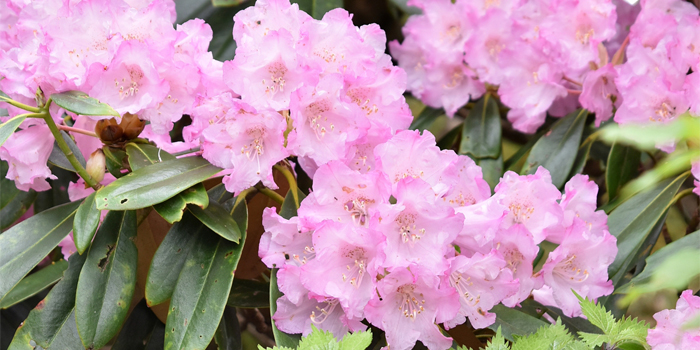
8, 128
615, 332
323, 340
80, 103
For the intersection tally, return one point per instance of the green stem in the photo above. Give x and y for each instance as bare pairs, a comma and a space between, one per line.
291, 180
66, 150
272, 194
187, 151
30, 115
20, 105
242, 195
680, 195
592, 137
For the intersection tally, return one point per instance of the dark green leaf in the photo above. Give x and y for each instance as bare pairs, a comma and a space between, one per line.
140, 330
581, 159
58, 158
481, 133
289, 208
172, 209
557, 150
492, 170
201, 292
108, 280
281, 338
170, 258
623, 163
218, 219
34, 283
87, 218
8, 128
426, 118
52, 323
249, 294
514, 322
13, 202
634, 220
142, 155
27, 243
403, 5
448, 141
80, 103
58, 194
318, 8
513, 160
228, 335
226, 3
114, 159
219, 194
154, 184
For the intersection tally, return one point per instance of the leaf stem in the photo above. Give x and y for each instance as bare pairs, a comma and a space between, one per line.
272, 194
66, 150
291, 180
76, 130
20, 105
681, 194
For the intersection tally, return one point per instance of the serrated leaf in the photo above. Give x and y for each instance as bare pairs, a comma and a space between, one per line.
52, 322
172, 209
426, 118
80, 103
481, 132
556, 151
154, 184
249, 294
141, 155
634, 220
8, 128
597, 314
573, 324
498, 342
318, 8
318, 339
357, 340
141, 331
27, 243
201, 291
623, 162
228, 334
513, 322
59, 159
107, 280
34, 283
554, 336
87, 218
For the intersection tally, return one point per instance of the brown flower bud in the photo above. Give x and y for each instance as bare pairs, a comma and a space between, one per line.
109, 131
96, 166
132, 126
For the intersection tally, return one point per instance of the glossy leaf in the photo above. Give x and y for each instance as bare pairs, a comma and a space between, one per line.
114, 159
318, 8
87, 218
581, 158
13, 202
289, 207
154, 184
27, 243
557, 150
80, 103
512, 161
142, 155
107, 280
226, 3
59, 159
515, 322
426, 118
170, 258
8, 128
52, 323
218, 219
34, 283
228, 335
449, 139
141, 331
202, 289
634, 220
492, 170
623, 162
249, 294
481, 132
172, 209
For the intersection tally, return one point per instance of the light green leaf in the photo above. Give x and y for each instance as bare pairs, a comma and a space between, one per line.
87, 218
108, 280
554, 337
154, 184
319, 339
481, 132
80, 103
8, 128
172, 209
357, 340
34, 283
226, 3
597, 314
498, 342
27, 243
556, 151
648, 136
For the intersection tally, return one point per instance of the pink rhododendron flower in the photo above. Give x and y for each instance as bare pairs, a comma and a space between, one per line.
408, 306
324, 313
519, 250
283, 242
481, 223
600, 94
26, 152
468, 184
579, 203
669, 333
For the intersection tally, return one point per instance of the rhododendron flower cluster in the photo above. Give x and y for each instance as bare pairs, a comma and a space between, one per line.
672, 331
419, 240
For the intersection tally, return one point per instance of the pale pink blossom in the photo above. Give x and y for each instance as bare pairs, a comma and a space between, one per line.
26, 152
669, 333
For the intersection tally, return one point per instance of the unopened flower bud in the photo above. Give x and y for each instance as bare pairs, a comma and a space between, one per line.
132, 126
109, 131
40, 98
96, 166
